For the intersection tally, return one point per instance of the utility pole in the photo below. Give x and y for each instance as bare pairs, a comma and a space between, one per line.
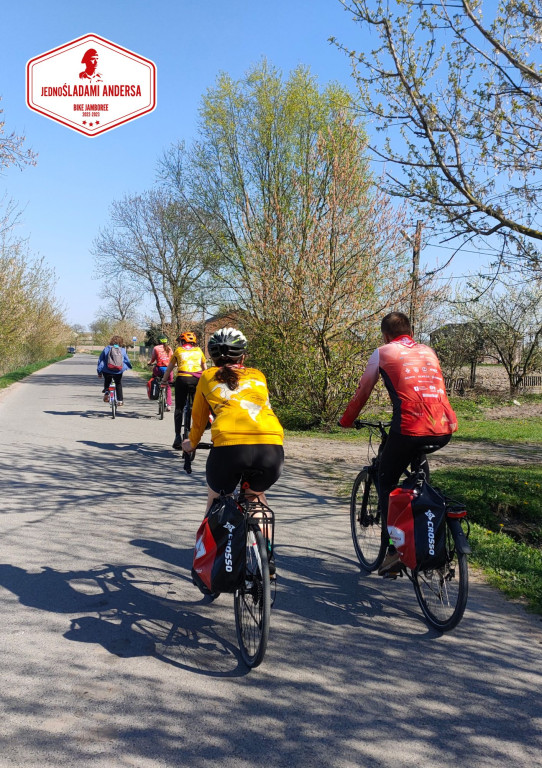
415, 276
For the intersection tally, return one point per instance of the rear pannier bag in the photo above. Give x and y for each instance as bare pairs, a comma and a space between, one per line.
220, 551
153, 388
417, 526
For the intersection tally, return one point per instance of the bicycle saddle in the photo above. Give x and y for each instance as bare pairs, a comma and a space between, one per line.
429, 448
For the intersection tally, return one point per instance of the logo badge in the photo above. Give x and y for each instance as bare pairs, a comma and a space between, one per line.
199, 549
91, 85
429, 515
229, 527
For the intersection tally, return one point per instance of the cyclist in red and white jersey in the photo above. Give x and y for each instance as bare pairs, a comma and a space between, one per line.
421, 411
161, 355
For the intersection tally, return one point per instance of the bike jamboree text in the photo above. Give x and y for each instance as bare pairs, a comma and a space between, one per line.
91, 90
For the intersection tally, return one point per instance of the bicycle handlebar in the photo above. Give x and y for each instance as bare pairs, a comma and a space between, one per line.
358, 424
189, 457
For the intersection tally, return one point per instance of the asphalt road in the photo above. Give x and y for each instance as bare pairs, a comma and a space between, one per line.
111, 658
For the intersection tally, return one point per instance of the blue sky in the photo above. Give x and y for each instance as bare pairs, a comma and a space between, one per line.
66, 197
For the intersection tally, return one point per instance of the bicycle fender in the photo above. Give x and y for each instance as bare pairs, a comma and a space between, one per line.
460, 539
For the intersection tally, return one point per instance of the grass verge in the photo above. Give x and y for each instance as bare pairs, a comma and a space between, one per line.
513, 567
505, 511
21, 373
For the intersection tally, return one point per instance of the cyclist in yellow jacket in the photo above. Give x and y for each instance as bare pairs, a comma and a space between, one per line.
247, 436
190, 362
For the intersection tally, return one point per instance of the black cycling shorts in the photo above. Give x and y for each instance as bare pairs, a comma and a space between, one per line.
259, 465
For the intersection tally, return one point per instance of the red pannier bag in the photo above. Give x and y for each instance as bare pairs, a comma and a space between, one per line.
220, 550
417, 525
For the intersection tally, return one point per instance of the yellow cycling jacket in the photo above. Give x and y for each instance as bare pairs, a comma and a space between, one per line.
189, 360
242, 417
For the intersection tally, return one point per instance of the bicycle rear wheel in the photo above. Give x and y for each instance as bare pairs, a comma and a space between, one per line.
366, 522
442, 593
161, 403
252, 601
113, 402
187, 420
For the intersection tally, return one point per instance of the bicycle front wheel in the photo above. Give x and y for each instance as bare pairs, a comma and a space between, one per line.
252, 601
366, 522
442, 593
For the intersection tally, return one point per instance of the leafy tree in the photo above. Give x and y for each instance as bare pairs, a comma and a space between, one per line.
102, 330
152, 335
310, 250
455, 98
32, 325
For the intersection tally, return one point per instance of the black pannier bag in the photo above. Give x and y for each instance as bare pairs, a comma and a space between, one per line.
220, 550
417, 525
153, 388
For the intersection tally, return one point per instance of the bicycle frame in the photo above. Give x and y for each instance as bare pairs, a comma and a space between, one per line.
258, 514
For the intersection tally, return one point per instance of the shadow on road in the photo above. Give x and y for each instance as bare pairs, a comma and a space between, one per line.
134, 611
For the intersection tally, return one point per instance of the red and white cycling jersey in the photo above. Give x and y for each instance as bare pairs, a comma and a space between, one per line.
160, 357
412, 375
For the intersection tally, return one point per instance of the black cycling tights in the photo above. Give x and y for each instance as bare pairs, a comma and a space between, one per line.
183, 385
399, 451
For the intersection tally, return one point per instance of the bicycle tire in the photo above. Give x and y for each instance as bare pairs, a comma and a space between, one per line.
442, 593
113, 402
161, 406
252, 601
366, 522
187, 416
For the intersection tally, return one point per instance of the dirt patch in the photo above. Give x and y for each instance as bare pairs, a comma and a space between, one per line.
526, 411
331, 457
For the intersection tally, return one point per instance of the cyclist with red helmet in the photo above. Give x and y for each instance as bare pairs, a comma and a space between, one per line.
247, 436
190, 362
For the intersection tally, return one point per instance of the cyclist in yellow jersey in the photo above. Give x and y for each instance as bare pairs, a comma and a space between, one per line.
247, 436
190, 362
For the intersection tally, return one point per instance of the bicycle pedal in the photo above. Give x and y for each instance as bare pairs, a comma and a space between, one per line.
392, 574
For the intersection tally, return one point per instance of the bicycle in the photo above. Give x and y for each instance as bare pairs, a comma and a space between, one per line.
441, 592
252, 599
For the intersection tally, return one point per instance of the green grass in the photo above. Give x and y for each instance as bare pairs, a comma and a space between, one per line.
513, 567
474, 424
500, 430
21, 373
498, 497
505, 509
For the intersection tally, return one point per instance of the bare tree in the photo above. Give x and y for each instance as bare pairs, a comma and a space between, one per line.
509, 319
456, 106
12, 151
156, 243
122, 298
